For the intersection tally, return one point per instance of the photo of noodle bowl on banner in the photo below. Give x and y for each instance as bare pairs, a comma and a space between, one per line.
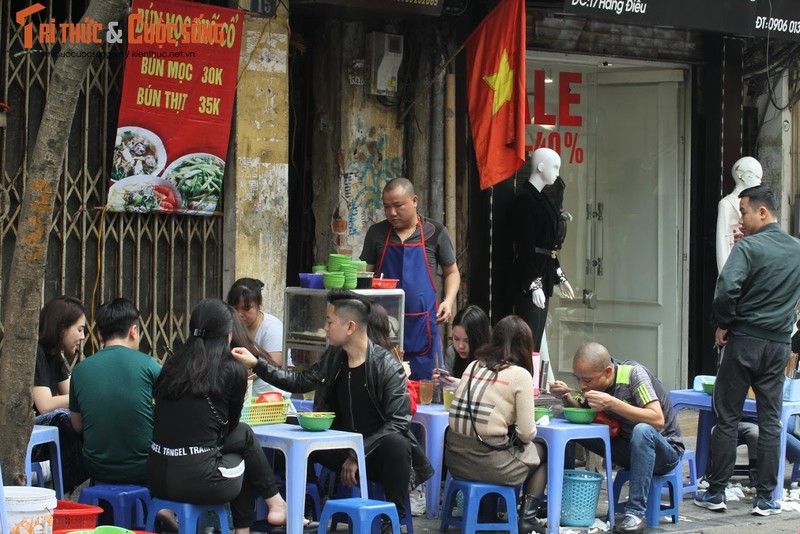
198, 179
137, 151
144, 194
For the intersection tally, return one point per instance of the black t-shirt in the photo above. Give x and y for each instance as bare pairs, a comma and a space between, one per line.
51, 369
353, 404
438, 245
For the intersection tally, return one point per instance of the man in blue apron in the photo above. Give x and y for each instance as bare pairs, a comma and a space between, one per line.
410, 247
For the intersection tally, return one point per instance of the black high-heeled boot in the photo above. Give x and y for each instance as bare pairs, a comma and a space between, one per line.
527, 523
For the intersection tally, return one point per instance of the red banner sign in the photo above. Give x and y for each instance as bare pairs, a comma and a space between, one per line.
177, 102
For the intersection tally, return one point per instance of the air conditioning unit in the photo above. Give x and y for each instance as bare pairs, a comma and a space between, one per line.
386, 54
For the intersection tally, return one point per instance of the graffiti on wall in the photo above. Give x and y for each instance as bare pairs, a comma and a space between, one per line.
360, 192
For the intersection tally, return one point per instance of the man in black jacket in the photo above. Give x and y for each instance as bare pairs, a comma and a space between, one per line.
355, 372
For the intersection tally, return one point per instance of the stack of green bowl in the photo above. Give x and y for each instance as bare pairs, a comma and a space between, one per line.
319, 268
337, 261
350, 278
333, 280
361, 265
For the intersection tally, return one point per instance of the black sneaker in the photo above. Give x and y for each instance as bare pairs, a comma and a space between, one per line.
764, 506
712, 501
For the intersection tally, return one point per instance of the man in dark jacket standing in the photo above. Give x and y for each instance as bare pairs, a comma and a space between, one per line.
365, 385
753, 310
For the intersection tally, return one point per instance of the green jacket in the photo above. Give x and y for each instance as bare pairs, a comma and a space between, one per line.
759, 286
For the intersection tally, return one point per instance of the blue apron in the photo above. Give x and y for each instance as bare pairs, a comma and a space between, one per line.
409, 263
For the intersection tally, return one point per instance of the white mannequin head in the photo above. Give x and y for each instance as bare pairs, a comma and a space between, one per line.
546, 164
747, 172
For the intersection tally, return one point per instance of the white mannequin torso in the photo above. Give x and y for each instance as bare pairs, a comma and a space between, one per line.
746, 173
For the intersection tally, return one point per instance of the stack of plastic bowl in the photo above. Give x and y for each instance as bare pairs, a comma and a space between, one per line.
337, 261
361, 265
319, 268
350, 279
333, 280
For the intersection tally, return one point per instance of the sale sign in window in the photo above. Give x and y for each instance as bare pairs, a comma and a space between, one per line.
558, 107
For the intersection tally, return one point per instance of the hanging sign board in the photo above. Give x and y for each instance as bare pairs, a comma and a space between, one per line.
414, 7
778, 18
177, 102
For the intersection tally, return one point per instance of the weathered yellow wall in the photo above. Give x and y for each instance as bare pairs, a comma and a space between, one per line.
257, 217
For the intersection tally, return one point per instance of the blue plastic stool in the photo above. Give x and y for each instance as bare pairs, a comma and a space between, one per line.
474, 492
46, 434
187, 514
675, 487
691, 486
128, 502
362, 513
376, 492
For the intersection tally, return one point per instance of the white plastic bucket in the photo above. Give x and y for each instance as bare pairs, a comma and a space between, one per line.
30, 509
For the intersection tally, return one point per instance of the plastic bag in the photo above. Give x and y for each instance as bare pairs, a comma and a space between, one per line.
613, 424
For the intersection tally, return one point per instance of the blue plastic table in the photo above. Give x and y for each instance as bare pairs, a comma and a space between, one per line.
434, 419
297, 444
699, 400
556, 434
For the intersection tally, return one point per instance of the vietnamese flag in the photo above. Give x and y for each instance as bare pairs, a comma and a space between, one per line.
498, 108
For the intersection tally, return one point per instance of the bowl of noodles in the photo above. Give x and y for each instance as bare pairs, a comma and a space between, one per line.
137, 151
144, 194
315, 421
198, 178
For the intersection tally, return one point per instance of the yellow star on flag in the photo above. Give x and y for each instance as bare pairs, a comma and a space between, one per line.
501, 82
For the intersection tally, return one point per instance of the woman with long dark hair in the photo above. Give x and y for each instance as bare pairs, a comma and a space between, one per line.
492, 420
201, 453
470, 332
62, 329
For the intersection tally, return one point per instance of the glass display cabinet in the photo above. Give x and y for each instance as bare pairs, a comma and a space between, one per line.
304, 317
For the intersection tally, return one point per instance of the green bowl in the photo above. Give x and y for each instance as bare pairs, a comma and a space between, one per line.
315, 422
708, 387
579, 415
332, 280
540, 412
